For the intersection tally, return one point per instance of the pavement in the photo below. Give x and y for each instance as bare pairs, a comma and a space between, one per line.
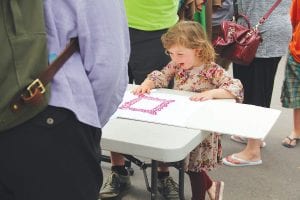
277, 178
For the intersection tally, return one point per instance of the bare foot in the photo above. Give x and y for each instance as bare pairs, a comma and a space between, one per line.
212, 191
247, 156
215, 192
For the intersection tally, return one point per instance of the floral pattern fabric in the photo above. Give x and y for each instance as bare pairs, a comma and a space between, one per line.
207, 155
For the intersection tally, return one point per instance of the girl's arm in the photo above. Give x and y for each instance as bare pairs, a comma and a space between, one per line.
162, 78
225, 86
222, 80
156, 79
212, 94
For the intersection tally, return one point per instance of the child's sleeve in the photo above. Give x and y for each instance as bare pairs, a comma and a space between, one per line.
222, 80
162, 78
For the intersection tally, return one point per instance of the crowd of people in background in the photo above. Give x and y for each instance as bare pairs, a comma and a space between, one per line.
147, 43
257, 78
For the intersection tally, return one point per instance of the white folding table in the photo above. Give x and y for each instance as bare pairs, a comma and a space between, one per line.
168, 143
154, 141
158, 142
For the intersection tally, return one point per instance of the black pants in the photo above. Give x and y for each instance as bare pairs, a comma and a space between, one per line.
147, 54
50, 157
258, 80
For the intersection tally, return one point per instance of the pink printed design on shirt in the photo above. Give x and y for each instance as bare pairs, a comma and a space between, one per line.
129, 105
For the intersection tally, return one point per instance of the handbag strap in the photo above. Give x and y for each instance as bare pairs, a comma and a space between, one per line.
266, 16
235, 10
263, 18
33, 92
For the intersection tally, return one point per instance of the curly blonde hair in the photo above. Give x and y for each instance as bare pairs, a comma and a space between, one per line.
189, 34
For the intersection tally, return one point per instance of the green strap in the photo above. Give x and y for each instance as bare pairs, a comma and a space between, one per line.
17, 17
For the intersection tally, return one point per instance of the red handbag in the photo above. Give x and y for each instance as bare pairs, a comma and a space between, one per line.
237, 42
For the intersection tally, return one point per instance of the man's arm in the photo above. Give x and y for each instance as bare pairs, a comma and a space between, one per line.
104, 46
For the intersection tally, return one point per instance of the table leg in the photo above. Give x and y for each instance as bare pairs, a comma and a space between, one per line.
181, 180
154, 165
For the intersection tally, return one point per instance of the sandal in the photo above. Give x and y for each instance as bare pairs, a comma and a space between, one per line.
289, 142
234, 161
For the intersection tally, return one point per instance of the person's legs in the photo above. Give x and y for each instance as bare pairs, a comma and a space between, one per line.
251, 151
5, 194
291, 140
118, 181
117, 159
290, 98
147, 54
243, 140
258, 80
206, 156
168, 188
296, 130
118, 164
202, 183
215, 192
297, 122
263, 81
52, 156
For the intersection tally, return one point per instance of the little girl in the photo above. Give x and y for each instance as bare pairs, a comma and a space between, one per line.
192, 68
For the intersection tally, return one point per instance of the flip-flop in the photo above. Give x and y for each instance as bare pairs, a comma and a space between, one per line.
288, 143
234, 161
243, 140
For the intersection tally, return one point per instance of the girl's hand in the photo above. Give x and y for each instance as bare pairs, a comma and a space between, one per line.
212, 94
145, 87
203, 96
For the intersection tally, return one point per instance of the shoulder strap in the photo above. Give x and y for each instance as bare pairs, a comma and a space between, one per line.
263, 18
46, 76
33, 92
235, 9
266, 16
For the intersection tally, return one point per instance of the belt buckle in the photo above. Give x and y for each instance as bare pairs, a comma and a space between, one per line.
36, 84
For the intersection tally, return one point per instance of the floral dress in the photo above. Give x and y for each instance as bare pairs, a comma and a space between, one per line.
208, 154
